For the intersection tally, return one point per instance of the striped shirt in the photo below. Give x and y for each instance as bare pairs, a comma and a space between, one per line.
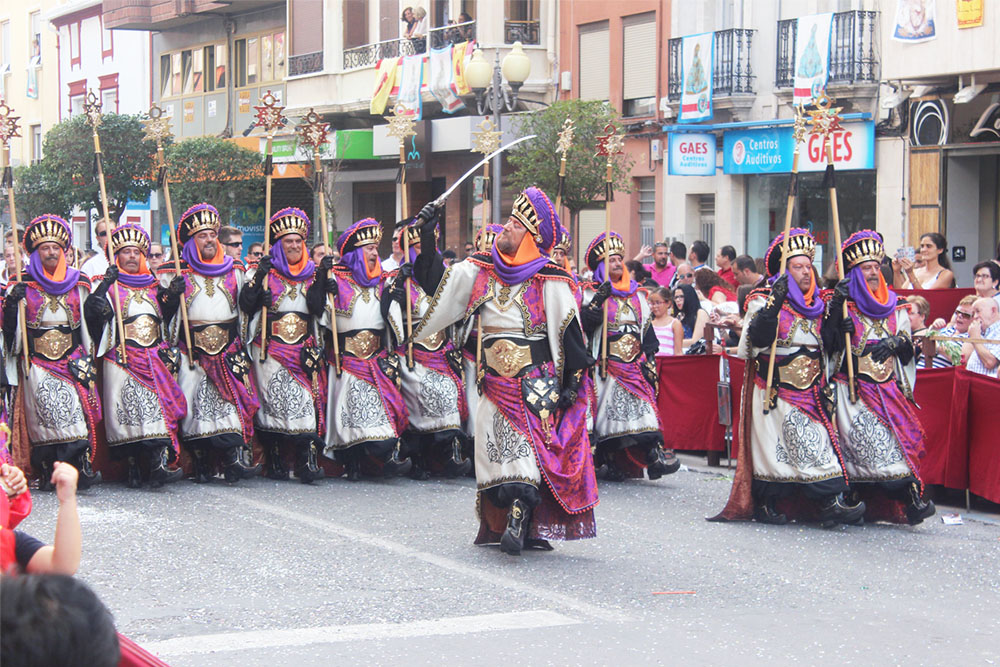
665, 335
975, 365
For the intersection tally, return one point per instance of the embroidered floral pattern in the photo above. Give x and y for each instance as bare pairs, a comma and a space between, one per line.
505, 444
802, 445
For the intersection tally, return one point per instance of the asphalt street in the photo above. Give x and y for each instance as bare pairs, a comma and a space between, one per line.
385, 573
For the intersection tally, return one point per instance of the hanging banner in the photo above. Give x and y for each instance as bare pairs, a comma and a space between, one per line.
914, 21
769, 150
970, 13
697, 54
411, 80
691, 154
441, 69
385, 79
812, 56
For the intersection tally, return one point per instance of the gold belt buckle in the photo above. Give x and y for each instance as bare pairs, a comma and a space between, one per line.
433, 342
800, 373
212, 339
880, 372
53, 344
625, 348
507, 358
143, 330
362, 345
289, 328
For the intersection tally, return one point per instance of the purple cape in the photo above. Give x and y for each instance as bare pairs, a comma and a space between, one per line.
355, 261
37, 273
280, 263
864, 298
797, 300
600, 278
190, 255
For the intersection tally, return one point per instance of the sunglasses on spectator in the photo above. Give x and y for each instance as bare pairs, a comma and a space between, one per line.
235, 244
155, 255
962, 313
687, 275
257, 253
102, 234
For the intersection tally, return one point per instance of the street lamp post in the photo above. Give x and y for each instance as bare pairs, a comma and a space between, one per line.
486, 82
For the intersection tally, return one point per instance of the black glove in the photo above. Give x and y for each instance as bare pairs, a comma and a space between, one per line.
326, 263
779, 292
10, 302
329, 282
428, 215
16, 293
398, 291
263, 268
110, 276
97, 312
253, 297
899, 346
601, 295
570, 391
841, 292
405, 272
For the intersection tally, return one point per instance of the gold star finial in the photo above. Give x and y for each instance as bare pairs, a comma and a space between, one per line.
400, 124
825, 118
157, 126
565, 141
92, 108
487, 139
610, 144
8, 123
312, 130
269, 114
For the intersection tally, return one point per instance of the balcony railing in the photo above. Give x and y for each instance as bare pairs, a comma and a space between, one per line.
525, 32
305, 64
852, 49
731, 70
369, 54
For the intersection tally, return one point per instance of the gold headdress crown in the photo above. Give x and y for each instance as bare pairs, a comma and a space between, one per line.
193, 221
800, 242
413, 234
524, 212
368, 235
605, 247
564, 243
289, 221
46, 228
866, 249
125, 237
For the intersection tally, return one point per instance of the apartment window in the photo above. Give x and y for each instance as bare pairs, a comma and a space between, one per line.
35, 134
107, 42
521, 21
77, 95
595, 72
193, 71
259, 59
74, 44
639, 65
4, 55
35, 36
646, 189
109, 93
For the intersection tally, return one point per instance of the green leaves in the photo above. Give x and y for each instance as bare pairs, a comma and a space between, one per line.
214, 170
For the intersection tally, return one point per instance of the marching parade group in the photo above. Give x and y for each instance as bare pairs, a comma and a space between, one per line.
505, 364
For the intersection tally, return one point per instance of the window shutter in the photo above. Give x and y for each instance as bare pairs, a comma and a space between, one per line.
595, 71
639, 57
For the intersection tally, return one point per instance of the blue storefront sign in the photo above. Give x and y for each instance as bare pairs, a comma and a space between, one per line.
769, 150
691, 154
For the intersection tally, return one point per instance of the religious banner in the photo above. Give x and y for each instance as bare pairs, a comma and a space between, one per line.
385, 79
441, 68
812, 56
697, 62
411, 80
460, 56
914, 21
970, 13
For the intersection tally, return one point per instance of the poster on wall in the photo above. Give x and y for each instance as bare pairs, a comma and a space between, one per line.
914, 21
697, 53
691, 154
812, 56
970, 13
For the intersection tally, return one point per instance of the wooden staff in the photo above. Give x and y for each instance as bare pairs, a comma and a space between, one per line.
798, 133
486, 141
158, 129
825, 120
92, 107
9, 130
401, 127
269, 117
313, 131
609, 145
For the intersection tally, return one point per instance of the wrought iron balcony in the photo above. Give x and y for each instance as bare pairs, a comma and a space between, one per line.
525, 32
731, 70
852, 49
368, 55
305, 64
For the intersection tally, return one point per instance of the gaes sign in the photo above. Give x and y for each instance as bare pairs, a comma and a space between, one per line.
769, 150
691, 154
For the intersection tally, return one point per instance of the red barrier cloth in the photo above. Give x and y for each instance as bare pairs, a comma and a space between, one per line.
942, 414
983, 439
687, 402
942, 301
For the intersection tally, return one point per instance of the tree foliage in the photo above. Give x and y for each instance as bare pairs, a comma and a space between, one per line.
128, 162
214, 170
36, 191
536, 162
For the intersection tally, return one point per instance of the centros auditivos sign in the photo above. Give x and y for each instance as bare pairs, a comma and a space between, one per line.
769, 150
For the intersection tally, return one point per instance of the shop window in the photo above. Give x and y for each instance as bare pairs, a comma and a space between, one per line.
259, 59
639, 65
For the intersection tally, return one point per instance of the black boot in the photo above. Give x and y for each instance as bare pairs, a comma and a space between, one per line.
235, 468
160, 472
836, 509
203, 472
418, 471
661, 462
276, 468
134, 480
917, 509
307, 469
456, 466
518, 516
87, 475
764, 512
396, 465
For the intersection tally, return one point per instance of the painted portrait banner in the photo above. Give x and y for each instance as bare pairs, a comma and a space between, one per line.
915, 21
697, 56
812, 56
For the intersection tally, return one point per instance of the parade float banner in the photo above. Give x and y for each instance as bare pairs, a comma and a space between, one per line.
697, 62
812, 56
691, 154
970, 13
442, 88
769, 150
914, 21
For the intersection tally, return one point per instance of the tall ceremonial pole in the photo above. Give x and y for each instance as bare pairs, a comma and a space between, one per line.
401, 127
563, 145
825, 120
798, 133
486, 141
9, 130
609, 145
312, 131
268, 117
157, 129
92, 108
